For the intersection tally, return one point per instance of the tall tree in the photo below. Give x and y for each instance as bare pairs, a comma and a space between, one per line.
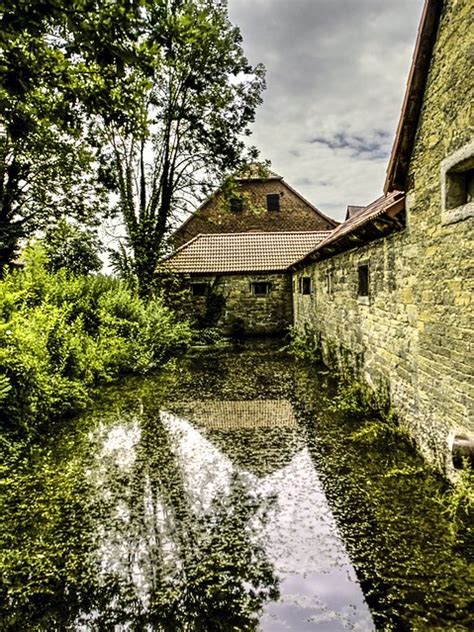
59, 62
195, 113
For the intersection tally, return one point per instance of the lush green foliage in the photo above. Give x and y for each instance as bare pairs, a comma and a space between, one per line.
195, 112
61, 334
72, 248
305, 344
60, 62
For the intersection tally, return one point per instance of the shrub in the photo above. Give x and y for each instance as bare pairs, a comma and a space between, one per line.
61, 334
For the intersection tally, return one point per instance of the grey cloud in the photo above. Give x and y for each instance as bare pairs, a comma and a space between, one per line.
371, 147
336, 73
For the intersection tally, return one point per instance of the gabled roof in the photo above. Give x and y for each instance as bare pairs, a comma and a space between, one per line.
255, 175
352, 210
257, 172
397, 170
241, 252
379, 218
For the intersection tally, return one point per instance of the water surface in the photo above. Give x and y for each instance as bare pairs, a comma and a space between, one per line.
228, 494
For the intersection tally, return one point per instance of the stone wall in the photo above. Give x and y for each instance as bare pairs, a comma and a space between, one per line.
415, 334
216, 217
258, 315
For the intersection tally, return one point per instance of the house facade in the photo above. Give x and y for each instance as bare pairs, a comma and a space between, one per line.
240, 282
392, 288
264, 203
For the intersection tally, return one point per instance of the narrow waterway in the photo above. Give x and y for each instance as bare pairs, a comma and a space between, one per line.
228, 493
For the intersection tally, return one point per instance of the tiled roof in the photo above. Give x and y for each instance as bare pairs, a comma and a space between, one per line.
236, 415
365, 216
241, 252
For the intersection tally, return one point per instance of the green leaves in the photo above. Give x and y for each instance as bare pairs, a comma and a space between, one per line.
61, 334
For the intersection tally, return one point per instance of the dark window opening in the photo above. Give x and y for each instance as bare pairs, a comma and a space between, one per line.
459, 187
236, 205
199, 289
261, 288
305, 285
363, 289
329, 282
273, 202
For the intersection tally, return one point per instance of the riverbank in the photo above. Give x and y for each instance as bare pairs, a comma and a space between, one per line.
61, 335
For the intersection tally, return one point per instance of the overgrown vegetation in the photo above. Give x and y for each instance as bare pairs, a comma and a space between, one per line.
61, 334
305, 344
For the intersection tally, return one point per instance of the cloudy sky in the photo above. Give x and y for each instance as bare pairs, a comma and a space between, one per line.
336, 75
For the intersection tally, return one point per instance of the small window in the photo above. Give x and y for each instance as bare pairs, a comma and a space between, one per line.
329, 282
199, 289
236, 205
273, 202
305, 285
363, 289
457, 185
459, 188
261, 288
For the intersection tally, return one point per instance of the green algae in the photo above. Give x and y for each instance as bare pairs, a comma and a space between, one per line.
101, 530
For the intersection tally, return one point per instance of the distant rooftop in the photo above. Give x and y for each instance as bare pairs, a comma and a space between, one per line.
379, 218
257, 172
241, 252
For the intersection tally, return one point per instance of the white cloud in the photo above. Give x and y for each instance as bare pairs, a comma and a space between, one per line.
336, 71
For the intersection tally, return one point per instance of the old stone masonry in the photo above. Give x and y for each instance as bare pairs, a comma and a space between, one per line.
387, 293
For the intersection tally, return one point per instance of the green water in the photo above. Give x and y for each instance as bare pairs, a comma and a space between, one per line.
228, 494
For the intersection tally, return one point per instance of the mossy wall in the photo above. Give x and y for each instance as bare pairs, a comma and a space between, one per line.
415, 332
253, 315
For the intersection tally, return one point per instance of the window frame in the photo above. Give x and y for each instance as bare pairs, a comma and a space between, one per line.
329, 278
236, 204
453, 183
203, 284
276, 198
268, 290
305, 285
363, 281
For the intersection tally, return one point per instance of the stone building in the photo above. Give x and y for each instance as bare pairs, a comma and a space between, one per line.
241, 282
263, 203
392, 287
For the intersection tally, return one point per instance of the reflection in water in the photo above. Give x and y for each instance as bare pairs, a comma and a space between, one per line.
178, 538
318, 586
167, 510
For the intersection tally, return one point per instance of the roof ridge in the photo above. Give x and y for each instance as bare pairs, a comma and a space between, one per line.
260, 233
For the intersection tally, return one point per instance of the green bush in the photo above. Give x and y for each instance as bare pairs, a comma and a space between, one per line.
60, 335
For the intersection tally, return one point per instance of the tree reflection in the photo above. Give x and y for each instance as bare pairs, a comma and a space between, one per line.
189, 568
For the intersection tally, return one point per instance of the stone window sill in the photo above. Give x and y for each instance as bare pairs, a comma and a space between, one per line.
453, 215
363, 300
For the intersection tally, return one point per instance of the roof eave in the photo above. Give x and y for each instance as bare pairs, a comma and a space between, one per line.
397, 169
384, 223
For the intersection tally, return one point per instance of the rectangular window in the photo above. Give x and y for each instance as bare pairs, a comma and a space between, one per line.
305, 285
273, 202
459, 188
261, 288
236, 205
199, 289
457, 185
329, 282
363, 289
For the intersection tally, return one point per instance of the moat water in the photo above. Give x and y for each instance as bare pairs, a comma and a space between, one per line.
229, 493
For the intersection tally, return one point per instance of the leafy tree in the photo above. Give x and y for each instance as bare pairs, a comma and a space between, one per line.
72, 248
197, 107
59, 63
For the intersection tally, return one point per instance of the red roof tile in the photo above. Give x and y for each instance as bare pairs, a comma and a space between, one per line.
365, 216
241, 252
